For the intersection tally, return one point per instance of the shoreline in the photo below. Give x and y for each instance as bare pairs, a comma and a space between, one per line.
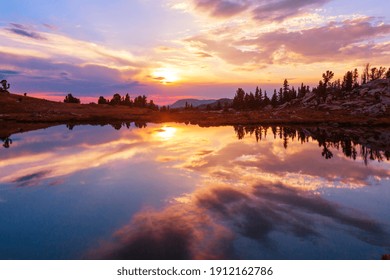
22, 113
12, 127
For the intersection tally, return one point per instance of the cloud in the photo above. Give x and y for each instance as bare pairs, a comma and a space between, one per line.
203, 54
204, 152
88, 79
224, 49
261, 10
335, 41
65, 48
63, 63
9, 72
22, 30
330, 42
221, 8
31, 179
159, 78
26, 33
50, 26
279, 10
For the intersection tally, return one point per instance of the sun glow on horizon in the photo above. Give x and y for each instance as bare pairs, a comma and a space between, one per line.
165, 75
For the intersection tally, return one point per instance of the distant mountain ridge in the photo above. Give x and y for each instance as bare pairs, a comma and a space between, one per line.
217, 104
181, 103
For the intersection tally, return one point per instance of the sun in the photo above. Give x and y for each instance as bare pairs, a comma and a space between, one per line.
165, 75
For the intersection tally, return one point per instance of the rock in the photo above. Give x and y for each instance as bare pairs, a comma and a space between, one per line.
385, 100
329, 99
283, 106
386, 257
374, 92
376, 109
308, 97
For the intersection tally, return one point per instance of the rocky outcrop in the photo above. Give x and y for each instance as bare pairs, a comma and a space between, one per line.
371, 99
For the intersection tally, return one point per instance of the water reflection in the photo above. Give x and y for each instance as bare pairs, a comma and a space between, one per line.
209, 225
373, 144
170, 191
6, 142
368, 143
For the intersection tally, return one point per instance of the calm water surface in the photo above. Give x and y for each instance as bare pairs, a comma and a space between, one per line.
169, 191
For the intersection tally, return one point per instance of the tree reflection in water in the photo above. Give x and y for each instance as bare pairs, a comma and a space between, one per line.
369, 143
372, 144
6, 142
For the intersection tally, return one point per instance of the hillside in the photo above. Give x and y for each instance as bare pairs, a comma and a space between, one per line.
29, 109
217, 104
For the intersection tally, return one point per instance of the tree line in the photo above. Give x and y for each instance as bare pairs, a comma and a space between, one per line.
260, 99
252, 101
350, 81
140, 101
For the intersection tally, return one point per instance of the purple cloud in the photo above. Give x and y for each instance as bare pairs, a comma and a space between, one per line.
332, 42
222, 8
279, 10
31, 180
87, 79
263, 10
24, 31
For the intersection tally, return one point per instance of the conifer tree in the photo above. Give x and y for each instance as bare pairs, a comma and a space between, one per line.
274, 99
355, 78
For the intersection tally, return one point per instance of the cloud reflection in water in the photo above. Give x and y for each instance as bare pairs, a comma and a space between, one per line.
252, 204
208, 226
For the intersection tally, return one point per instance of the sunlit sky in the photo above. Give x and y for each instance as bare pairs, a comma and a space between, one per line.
172, 49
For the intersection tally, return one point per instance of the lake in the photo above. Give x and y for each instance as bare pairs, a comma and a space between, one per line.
176, 191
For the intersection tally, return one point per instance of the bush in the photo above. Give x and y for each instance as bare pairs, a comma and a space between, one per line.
70, 99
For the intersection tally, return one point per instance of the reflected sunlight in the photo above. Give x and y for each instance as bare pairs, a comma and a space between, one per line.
166, 132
